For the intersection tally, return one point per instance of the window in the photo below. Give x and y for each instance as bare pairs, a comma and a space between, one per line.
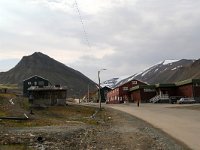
29, 83
125, 88
41, 83
134, 82
149, 90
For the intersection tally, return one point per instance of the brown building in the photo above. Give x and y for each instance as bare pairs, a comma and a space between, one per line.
121, 93
142, 93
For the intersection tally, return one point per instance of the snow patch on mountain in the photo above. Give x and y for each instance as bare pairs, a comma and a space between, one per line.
114, 81
169, 62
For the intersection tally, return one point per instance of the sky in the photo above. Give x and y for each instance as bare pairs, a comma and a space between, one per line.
123, 36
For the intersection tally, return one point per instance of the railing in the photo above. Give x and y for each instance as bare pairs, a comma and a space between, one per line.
159, 97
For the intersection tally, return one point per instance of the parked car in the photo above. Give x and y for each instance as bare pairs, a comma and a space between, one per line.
186, 101
174, 99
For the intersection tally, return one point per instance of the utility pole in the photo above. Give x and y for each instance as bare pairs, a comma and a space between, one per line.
99, 95
88, 93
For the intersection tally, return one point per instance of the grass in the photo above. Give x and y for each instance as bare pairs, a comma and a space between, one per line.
8, 86
56, 115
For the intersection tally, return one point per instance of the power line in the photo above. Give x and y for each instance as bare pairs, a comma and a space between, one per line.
81, 20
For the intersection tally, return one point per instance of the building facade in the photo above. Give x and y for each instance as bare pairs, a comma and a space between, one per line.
34, 81
47, 95
121, 93
142, 93
166, 92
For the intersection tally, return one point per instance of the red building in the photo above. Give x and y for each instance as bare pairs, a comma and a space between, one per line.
166, 92
121, 93
142, 93
189, 88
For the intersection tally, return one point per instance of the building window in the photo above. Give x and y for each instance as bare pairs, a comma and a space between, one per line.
35, 83
41, 83
149, 90
134, 82
125, 88
29, 83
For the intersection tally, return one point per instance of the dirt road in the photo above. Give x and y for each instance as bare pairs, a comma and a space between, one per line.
182, 124
114, 130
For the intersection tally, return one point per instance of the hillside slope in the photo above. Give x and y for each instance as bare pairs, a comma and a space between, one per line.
54, 71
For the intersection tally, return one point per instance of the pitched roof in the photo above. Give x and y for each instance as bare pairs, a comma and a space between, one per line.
35, 76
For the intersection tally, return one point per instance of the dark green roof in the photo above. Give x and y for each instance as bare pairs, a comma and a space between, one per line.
189, 81
169, 85
165, 85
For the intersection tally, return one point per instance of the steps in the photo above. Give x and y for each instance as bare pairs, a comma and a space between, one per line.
159, 98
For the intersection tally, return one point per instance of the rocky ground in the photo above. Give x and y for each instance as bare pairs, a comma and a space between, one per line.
110, 129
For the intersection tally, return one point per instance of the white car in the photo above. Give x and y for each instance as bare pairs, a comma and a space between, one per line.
186, 101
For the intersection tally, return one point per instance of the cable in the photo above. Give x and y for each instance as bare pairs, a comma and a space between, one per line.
81, 20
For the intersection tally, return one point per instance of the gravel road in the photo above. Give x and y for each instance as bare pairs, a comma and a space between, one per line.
114, 130
182, 124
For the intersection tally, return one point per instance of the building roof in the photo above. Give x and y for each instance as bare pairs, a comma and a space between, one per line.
46, 88
125, 81
169, 85
189, 81
165, 85
35, 76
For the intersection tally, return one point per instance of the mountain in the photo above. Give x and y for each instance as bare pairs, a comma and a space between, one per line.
168, 71
113, 82
56, 72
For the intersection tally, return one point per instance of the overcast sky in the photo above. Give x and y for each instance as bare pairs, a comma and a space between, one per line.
123, 36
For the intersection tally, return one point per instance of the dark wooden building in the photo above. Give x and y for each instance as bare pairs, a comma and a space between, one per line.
103, 92
47, 95
34, 81
94, 96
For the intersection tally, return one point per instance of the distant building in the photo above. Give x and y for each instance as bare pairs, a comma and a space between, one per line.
104, 91
47, 95
34, 81
94, 96
121, 93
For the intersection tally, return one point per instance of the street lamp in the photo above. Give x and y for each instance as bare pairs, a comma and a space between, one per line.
99, 95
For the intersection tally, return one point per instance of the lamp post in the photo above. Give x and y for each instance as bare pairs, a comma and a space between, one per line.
99, 95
